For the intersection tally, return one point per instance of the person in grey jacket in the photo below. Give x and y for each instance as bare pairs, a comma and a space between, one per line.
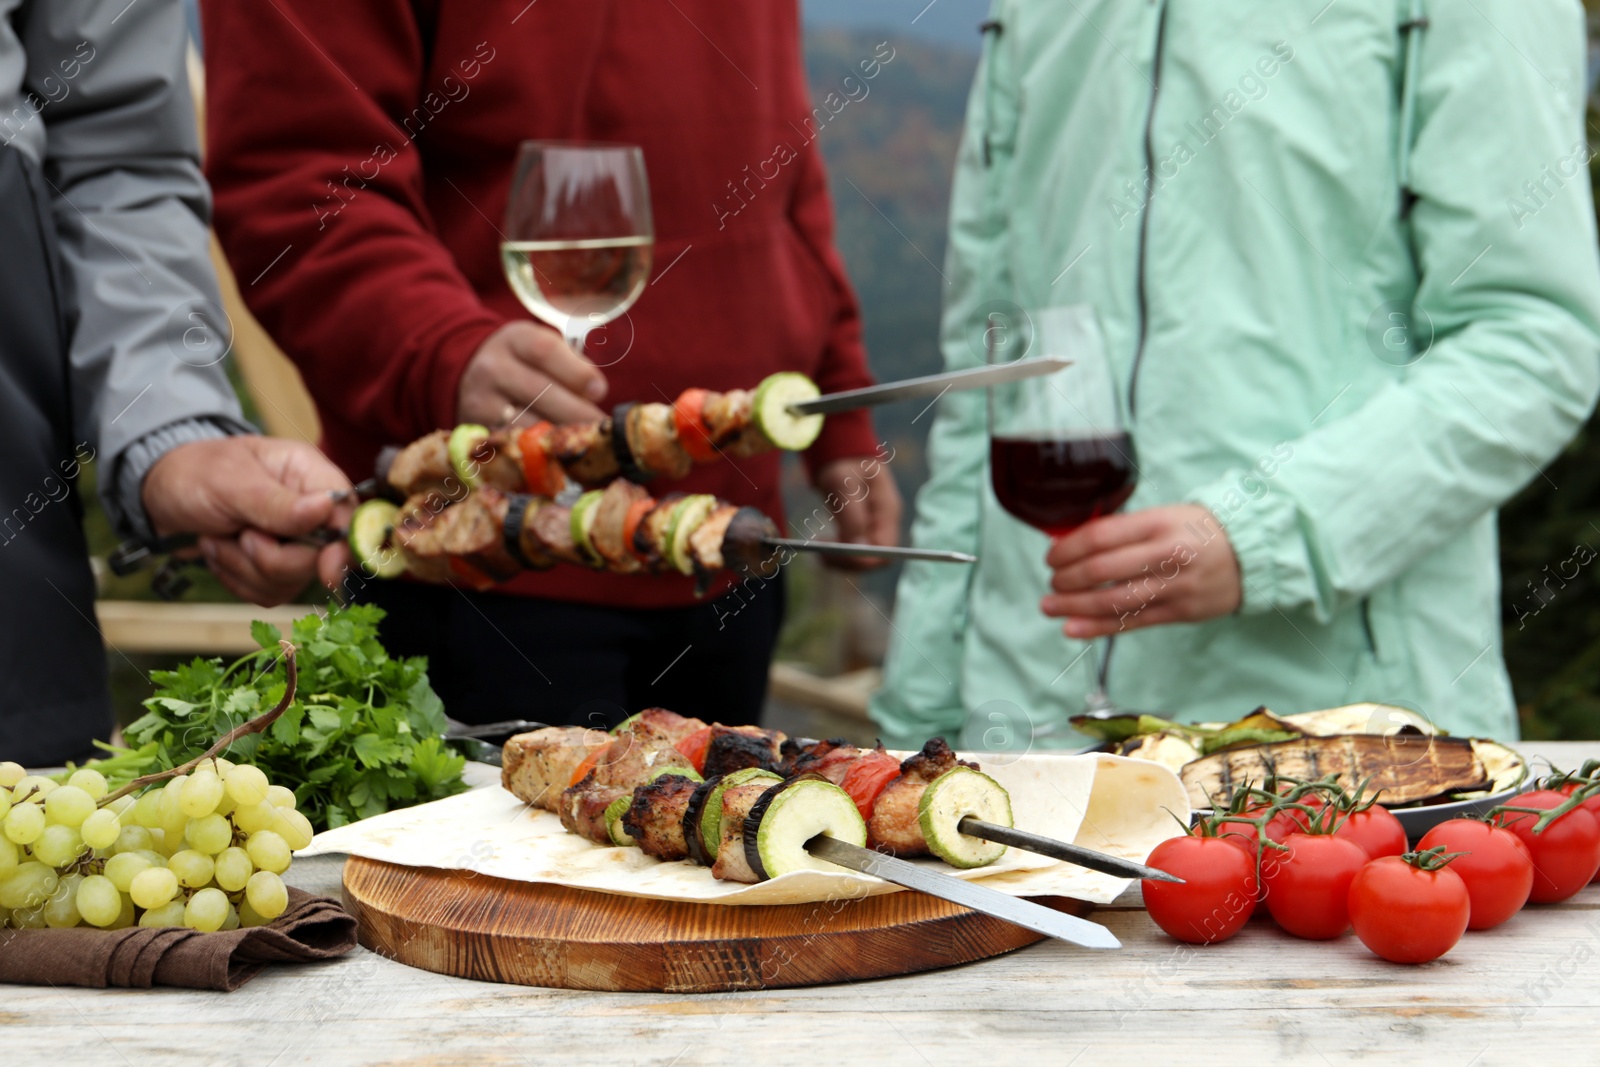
110, 349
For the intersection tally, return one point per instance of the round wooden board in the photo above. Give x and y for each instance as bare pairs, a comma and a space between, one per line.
473, 926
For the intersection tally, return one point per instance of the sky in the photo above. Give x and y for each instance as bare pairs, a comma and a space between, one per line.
950, 22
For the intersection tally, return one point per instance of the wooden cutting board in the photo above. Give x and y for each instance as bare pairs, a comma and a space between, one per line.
474, 926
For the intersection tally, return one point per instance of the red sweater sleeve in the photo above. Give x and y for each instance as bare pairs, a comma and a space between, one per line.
844, 364
319, 204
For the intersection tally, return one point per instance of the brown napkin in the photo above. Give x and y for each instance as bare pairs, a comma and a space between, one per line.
313, 928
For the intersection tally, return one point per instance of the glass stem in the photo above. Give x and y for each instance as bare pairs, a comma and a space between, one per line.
575, 333
1097, 699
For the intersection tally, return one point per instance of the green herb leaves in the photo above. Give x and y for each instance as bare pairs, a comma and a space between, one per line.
361, 737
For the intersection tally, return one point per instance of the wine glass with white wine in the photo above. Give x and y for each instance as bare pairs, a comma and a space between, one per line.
578, 233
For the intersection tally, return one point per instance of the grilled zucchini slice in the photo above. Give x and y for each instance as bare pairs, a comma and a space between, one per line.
777, 423
792, 813
951, 797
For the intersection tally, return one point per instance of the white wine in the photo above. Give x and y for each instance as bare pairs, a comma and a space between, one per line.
590, 281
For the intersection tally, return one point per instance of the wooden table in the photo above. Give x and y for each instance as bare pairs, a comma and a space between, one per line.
1528, 989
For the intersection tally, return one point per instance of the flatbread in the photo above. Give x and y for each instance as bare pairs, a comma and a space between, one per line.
1109, 803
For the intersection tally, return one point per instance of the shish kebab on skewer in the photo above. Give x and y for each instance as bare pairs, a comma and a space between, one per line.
637, 441
761, 798
489, 536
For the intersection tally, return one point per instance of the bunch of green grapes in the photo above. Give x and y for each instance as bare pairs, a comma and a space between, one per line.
203, 850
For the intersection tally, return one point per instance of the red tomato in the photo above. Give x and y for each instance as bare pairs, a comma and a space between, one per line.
866, 779
1308, 887
544, 476
1566, 855
1408, 915
1218, 894
1591, 805
1376, 830
695, 746
692, 435
630, 523
1497, 867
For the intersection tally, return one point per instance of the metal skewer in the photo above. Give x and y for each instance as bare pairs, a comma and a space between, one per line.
1049, 846
931, 385
1024, 913
845, 548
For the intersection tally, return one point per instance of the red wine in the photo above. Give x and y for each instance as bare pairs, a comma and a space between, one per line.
1058, 485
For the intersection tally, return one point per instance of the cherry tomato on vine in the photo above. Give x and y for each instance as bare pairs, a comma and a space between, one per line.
1375, 829
1218, 894
1497, 867
1406, 913
1308, 887
1566, 854
1591, 805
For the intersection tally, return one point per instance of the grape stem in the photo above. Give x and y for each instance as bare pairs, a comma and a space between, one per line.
244, 729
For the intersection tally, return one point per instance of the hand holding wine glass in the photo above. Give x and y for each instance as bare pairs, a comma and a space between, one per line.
578, 242
1146, 568
1059, 455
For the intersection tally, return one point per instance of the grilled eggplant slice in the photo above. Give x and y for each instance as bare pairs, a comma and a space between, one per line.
1407, 768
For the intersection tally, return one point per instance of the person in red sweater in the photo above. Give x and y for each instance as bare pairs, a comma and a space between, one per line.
361, 154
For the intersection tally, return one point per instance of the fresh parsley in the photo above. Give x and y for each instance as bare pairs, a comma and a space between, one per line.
363, 735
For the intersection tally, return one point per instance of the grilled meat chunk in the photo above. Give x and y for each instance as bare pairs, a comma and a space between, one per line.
473, 530
539, 765
635, 755
610, 517
650, 539
734, 748
655, 818
744, 549
584, 449
663, 726
583, 809
732, 864
550, 529
705, 544
653, 438
498, 461
893, 827
424, 465
727, 415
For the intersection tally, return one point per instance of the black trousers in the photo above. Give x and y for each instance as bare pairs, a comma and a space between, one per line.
53, 695
494, 657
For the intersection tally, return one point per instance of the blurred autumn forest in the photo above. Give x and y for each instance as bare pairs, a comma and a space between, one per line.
890, 154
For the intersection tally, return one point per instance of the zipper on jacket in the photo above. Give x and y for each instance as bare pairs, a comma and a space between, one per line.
1143, 297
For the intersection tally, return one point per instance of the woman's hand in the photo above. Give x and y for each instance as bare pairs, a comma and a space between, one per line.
1145, 568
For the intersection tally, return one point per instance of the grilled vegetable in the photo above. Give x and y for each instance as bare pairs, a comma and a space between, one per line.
710, 815
953, 796
614, 813
464, 440
583, 516
372, 539
782, 427
691, 512
1407, 768
792, 813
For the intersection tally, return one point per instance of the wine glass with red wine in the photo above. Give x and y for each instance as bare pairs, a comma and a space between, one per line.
578, 233
1059, 450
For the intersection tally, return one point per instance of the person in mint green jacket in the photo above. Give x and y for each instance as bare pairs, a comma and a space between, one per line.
1344, 259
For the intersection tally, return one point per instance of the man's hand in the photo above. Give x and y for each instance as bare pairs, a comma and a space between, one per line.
868, 507
1145, 568
523, 373
242, 494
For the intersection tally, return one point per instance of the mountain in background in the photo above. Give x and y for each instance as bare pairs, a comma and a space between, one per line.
890, 155
952, 23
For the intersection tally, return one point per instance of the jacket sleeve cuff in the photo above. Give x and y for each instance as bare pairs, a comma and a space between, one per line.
451, 356
1264, 533
847, 435
122, 492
